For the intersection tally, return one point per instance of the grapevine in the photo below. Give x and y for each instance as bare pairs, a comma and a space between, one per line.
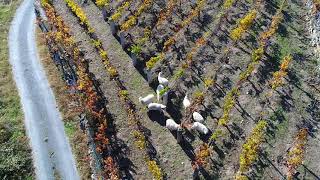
200, 42
202, 155
171, 40
278, 76
118, 13
296, 153
132, 20
102, 3
250, 149
255, 58
244, 24
167, 12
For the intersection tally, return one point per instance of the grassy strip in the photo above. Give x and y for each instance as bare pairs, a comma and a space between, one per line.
15, 153
69, 107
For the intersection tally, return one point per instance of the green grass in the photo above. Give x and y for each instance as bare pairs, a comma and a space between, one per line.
288, 46
15, 154
70, 128
282, 130
281, 123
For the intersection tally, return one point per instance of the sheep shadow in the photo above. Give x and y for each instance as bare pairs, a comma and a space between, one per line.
173, 109
190, 136
188, 149
158, 117
205, 137
125, 165
186, 137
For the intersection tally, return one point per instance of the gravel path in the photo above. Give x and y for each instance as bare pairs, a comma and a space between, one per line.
50, 148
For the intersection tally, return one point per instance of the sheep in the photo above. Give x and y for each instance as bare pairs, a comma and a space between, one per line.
90, 151
159, 88
156, 106
146, 100
186, 102
93, 177
164, 96
162, 80
197, 117
200, 127
172, 125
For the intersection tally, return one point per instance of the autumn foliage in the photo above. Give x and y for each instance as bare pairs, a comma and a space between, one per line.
296, 153
60, 35
250, 149
243, 25
278, 76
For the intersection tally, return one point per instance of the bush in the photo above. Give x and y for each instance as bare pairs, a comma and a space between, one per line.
15, 155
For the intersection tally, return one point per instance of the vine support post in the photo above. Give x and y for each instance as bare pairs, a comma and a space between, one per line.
134, 59
149, 75
113, 27
179, 135
122, 39
105, 13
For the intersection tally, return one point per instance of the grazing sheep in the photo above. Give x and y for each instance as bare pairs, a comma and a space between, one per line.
197, 117
172, 125
200, 127
156, 106
159, 88
164, 96
146, 100
93, 177
186, 102
91, 163
90, 151
162, 80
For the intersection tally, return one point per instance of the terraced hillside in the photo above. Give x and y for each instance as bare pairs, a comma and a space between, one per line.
249, 68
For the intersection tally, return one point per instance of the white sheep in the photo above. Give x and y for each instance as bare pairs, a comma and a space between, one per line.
159, 88
172, 125
186, 102
164, 96
162, 80
146, 100
91, 163
197, 117
93, 177
200, 127
156, 106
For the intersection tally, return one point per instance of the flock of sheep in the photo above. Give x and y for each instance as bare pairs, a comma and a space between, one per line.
170, 123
